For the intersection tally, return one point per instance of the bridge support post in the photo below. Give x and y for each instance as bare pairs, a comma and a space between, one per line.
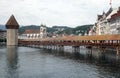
76, 48
54, 47
12, 31
61, 48
117, 49
102, 49
89, 50
57, 47
117, 54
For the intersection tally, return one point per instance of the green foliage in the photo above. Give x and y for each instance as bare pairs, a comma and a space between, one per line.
77, 30
23, 28
82, 29
66, 31
51, 30
3, 40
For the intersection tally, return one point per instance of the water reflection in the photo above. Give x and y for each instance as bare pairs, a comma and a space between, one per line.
12, 62
104, 60
43, 63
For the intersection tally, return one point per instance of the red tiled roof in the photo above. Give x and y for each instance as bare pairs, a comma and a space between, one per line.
31, 31
115, 15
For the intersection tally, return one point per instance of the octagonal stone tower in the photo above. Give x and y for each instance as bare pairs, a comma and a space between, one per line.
12, 31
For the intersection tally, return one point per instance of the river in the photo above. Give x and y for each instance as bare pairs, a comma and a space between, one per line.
26, 62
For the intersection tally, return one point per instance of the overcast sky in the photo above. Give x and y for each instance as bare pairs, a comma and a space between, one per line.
54, 12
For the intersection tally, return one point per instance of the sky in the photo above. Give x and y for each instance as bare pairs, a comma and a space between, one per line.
70, 13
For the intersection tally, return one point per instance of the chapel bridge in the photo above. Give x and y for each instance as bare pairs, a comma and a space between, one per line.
76, 41
59, 42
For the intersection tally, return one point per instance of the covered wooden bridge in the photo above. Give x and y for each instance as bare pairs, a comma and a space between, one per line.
96, 40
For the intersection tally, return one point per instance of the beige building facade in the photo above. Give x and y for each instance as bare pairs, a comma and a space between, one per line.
107, 23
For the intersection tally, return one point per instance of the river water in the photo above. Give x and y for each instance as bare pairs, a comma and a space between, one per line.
24, 62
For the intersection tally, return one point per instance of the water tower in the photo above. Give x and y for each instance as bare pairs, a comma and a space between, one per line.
12, 31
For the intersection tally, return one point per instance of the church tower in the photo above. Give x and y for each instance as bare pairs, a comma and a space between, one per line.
43, 33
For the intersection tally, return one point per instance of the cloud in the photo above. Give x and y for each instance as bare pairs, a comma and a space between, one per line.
54, 12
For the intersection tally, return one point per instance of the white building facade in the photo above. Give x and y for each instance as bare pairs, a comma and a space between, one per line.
34, 34
43, 33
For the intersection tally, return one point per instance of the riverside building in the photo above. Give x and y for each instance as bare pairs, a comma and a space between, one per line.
107, 23
34, 34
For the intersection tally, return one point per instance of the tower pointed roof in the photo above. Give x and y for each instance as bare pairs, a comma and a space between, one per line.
12, 23
103, 12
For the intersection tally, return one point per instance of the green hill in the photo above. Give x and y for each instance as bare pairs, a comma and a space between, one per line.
82, 29
77, 30
23, 28
59, 29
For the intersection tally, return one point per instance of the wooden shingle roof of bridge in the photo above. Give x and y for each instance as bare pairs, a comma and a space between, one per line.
80, 38
98, 37
95, 37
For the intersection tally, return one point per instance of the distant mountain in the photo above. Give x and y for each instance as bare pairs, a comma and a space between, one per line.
77, 30
82, 29
51, 30
30, 27
60, 29
2, 27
